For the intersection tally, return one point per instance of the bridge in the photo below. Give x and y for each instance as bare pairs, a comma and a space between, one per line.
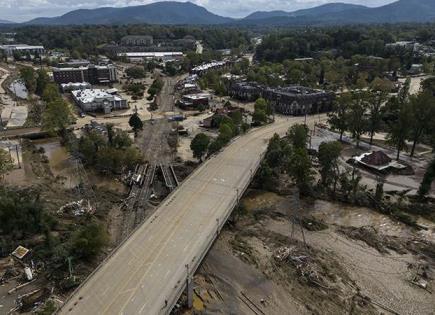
150, 270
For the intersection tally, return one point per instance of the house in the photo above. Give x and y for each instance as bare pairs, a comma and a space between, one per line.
378, 161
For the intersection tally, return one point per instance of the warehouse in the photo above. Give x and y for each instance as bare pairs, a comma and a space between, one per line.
92, 100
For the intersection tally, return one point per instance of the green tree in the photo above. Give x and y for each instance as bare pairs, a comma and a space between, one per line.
41, 81
51, 93
29, 77
136, 72
135, 122
374, 121
298, 136
399, 127
338, 118
328, 159
225, 132
88, 241
428, 178
422, 117
5, 163
357, 118
300, 170
199, 145
57, 117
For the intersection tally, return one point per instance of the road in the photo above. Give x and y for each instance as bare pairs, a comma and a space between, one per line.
147, 273
19, 132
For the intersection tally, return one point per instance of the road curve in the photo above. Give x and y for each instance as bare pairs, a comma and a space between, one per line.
147, 273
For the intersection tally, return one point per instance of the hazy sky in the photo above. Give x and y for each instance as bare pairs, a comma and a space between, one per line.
23, 10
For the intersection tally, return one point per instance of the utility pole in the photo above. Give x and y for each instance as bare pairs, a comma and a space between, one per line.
295, 218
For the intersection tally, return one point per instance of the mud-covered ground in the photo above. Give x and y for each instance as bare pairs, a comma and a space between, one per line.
355, 261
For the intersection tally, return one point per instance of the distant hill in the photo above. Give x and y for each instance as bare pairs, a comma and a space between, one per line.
171, 12
340, 13
168, 12
6, 22
323, 9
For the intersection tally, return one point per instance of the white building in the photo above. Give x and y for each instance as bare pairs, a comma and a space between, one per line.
75, 86
91, 100
22, 49
141, 56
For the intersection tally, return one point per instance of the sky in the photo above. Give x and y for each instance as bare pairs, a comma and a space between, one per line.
24, 10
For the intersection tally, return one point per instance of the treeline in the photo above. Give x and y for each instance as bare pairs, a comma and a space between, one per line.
404, 117
340, 41
85, 40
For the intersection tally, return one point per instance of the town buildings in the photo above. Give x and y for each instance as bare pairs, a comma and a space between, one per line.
92, 100
91, 73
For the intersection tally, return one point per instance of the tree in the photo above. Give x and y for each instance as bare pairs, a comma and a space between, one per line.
29, 78
135, 122
41, 81
399, 127
357, 120
88, 241
199, 145
422, 116
428, 178
5, 163
50, 93
300, 170
376, 100
298, 136
328, 159
57, 117
225, 132
260, 112
338, 119
136, 72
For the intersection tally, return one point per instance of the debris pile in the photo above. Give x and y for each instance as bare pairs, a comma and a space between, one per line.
307, 268
76, 208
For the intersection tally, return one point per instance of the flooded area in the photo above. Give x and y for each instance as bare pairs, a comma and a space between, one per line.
378, 267
59, 161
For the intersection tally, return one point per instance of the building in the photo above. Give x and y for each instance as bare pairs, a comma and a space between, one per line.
291, 100
209, 66
378, 161
158, 56
92, 74
298, 100
69, 87
74, 63
194, 100
246, 91
22, 49
92, 100
137, 40
416, 69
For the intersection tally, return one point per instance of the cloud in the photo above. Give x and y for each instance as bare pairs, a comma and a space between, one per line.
23, 10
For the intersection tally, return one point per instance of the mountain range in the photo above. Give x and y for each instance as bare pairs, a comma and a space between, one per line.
6, 22
187, 13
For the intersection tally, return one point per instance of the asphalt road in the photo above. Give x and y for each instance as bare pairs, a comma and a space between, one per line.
148, 272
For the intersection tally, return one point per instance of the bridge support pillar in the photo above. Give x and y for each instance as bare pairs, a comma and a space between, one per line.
189, 291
